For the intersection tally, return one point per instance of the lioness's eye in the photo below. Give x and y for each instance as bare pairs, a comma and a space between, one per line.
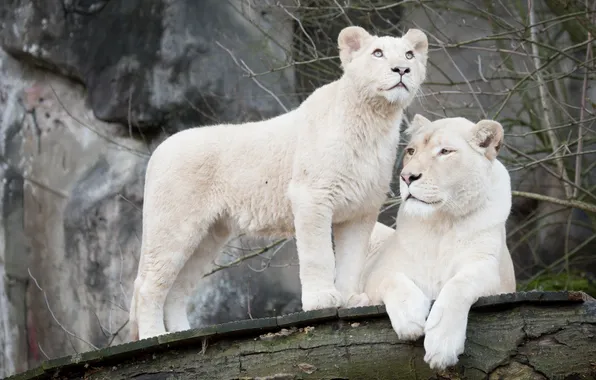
378, 53
446, 151
410, 151
409, 54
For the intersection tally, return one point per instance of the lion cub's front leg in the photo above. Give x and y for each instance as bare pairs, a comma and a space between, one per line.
351, 246
312, 222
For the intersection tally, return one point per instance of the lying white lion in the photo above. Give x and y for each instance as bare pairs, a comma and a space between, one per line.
449, 243
326, 164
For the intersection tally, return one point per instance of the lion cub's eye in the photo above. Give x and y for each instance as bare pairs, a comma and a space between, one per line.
409, 54
378, 53
445, 151
410, 151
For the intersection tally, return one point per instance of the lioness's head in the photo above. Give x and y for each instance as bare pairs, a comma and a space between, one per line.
447, 165
390, 67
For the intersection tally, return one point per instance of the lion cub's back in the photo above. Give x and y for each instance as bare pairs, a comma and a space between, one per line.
243, 170
210, 150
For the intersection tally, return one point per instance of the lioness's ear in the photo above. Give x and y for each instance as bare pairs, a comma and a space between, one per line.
417, 122
487, 136
350, 40
418, 38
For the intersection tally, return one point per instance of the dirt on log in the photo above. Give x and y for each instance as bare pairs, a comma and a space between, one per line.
533, 335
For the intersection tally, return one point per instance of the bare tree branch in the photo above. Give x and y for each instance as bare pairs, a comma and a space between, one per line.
568, 203
554, 141
245, 257
582, 116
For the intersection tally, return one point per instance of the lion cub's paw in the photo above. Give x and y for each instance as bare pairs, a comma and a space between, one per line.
408, 315
445, 332
357, 300
321, 299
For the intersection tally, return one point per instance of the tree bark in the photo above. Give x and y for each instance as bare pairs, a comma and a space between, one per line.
534, 335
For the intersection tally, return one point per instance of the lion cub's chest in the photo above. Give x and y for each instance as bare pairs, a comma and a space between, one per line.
362, 180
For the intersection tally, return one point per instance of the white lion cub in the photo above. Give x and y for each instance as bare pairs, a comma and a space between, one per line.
449, 243
327, 164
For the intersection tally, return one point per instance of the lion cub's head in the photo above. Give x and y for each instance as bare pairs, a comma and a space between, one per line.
447, 165
389, 67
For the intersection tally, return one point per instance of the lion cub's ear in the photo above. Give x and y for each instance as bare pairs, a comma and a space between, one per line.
417, 122
418, 38
350, 40
487, 137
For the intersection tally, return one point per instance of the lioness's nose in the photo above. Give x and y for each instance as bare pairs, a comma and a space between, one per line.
410, 177
401, 70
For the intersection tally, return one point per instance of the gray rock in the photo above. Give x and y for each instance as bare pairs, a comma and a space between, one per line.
71, 185
72, 195
146, 61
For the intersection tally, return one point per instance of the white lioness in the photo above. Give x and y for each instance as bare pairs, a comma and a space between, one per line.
326, 164
449, 243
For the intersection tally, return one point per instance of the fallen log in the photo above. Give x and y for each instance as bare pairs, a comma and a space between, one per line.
530, 335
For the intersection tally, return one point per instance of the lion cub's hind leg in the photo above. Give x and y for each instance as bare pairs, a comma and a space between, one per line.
200, 263
169, 244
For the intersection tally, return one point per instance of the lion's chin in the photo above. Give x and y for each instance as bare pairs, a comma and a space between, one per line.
415, 207
398, 95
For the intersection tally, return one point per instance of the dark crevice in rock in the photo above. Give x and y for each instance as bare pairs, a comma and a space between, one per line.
34, 61
84, 7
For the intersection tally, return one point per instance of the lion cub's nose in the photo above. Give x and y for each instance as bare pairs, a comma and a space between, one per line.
410, 177
401, 70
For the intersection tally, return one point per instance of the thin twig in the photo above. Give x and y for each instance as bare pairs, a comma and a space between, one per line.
248, 308
245, 257
245, 67
33, 181
546, 159
115, 334
124, 295
267, 262
45, 296
106, 138
559, 261
130, 202
42, 351
582, 116
548, 170
315, 51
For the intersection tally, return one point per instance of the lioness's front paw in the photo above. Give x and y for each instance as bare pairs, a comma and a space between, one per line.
445, 332
408, 315
321, 299
357, 300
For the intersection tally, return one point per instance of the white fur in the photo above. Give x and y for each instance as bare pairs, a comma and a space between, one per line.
452, 250
326, 164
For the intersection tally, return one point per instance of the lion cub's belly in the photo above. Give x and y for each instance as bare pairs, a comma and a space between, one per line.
261, 204
264, 209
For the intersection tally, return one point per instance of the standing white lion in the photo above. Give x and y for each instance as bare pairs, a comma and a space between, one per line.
327, 164
449, 243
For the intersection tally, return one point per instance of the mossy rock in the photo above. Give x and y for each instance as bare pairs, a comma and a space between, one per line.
572, 280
